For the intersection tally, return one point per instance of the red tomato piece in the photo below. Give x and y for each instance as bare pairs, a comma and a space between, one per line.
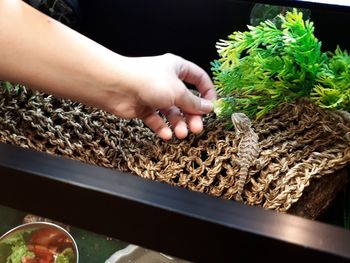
48, 236
29, 260
42, 253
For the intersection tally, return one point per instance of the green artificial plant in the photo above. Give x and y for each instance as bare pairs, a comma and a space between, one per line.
332, 89
272, 63
8, 86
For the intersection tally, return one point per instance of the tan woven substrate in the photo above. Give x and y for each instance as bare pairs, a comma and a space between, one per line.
298, 144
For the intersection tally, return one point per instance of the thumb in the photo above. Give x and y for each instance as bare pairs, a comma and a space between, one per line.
190, 103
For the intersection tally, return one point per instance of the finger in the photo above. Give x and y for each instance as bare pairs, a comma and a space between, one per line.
193, 74
177, 121
157, 124
194, 122
190, 103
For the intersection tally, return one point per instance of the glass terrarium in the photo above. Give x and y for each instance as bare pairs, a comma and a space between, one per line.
205, 198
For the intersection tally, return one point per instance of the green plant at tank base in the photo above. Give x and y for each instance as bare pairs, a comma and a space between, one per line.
272, 63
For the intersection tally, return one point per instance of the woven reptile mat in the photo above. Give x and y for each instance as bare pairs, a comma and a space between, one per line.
299, 143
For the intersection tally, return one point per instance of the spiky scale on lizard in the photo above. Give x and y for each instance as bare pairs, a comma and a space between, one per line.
248, 149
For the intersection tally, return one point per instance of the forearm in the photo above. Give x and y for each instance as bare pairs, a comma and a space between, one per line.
41, 53
38, 51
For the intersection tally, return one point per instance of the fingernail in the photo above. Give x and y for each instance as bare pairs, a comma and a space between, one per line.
211, 95
165, 134
206, 106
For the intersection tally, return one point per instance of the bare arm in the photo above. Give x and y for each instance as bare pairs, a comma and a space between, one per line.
40, 52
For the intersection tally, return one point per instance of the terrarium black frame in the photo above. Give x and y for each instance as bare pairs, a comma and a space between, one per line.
158, 216
308, 3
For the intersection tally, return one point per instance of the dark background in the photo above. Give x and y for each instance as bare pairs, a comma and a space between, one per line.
189, 28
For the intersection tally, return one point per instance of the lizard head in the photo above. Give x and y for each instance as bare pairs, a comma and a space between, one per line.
241, 122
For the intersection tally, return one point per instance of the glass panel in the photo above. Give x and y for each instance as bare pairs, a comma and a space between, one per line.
204, 23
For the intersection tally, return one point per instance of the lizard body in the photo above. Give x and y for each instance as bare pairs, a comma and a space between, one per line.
248, 149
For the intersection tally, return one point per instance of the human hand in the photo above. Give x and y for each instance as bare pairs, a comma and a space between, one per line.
82, 70
153, 85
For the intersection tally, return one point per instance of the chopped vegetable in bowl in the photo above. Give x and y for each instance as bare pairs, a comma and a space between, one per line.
38, 243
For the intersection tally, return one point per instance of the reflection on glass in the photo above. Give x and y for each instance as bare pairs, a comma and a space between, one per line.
262, 12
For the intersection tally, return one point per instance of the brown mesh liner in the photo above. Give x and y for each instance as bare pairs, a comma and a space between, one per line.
299, 143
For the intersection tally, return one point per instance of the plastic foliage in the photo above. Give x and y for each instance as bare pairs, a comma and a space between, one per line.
333, 83
272, 63
8, 86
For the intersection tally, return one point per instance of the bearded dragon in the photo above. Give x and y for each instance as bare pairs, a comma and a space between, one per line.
248, 149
